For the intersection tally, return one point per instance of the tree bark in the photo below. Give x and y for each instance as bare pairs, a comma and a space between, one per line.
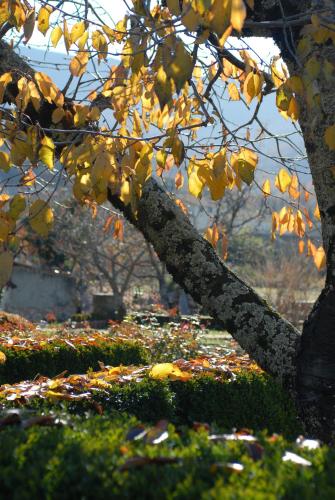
316, 362
195, 266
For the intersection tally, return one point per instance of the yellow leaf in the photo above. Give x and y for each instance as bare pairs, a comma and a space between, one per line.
252, 86
238, 14
174, 7
162, 371
294, 187
179, 180
67, 36
283, 97
266, 188
17, 206
49, 90
5, 79
6, 267
125, 192
319, 258
47, 152
313, 67
109, 32
41, 217
118, 230
4, 161
57, 115
99, 42
3, 199
56, 35
79, 63
295, 84
82, 41
191, 19
195, 184
180, 66
244, 163
178, 151
225, 36
77, 31
44, 18
233, 92
219, 15
301, 246
330, 137
2, 358
317, 212
283, 180
277, 74
212, 235
28, 179
163, 87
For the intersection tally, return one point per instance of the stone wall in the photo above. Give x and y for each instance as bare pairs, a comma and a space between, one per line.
34, 293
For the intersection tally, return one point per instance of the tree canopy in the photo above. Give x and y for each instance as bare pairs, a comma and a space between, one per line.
112, 125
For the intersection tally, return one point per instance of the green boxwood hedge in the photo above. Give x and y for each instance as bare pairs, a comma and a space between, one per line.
54, 359
92, 459
252, 400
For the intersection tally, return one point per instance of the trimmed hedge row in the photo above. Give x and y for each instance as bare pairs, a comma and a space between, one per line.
253, 401
91, 459
53, 359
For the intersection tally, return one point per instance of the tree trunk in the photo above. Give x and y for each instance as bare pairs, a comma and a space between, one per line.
192, 261
316, 362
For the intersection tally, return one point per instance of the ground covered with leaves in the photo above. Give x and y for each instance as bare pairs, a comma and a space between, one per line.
147, 412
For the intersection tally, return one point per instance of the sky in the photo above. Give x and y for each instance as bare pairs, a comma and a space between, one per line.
264, 48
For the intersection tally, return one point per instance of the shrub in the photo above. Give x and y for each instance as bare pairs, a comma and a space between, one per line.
92, 459
54, 359
254, 401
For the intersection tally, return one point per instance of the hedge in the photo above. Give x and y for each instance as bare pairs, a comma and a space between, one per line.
92, 459
54, 359
252, 400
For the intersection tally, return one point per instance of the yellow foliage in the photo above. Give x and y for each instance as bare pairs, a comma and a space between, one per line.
17, 206
78, 29
266, 188
283, 180
48, 89
41, 217
5, 79
56, 35
244, 164
4, 161
47, 152
79, 63
169, 371
43, 19
233, 92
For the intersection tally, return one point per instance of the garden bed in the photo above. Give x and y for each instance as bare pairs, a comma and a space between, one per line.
147, 412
